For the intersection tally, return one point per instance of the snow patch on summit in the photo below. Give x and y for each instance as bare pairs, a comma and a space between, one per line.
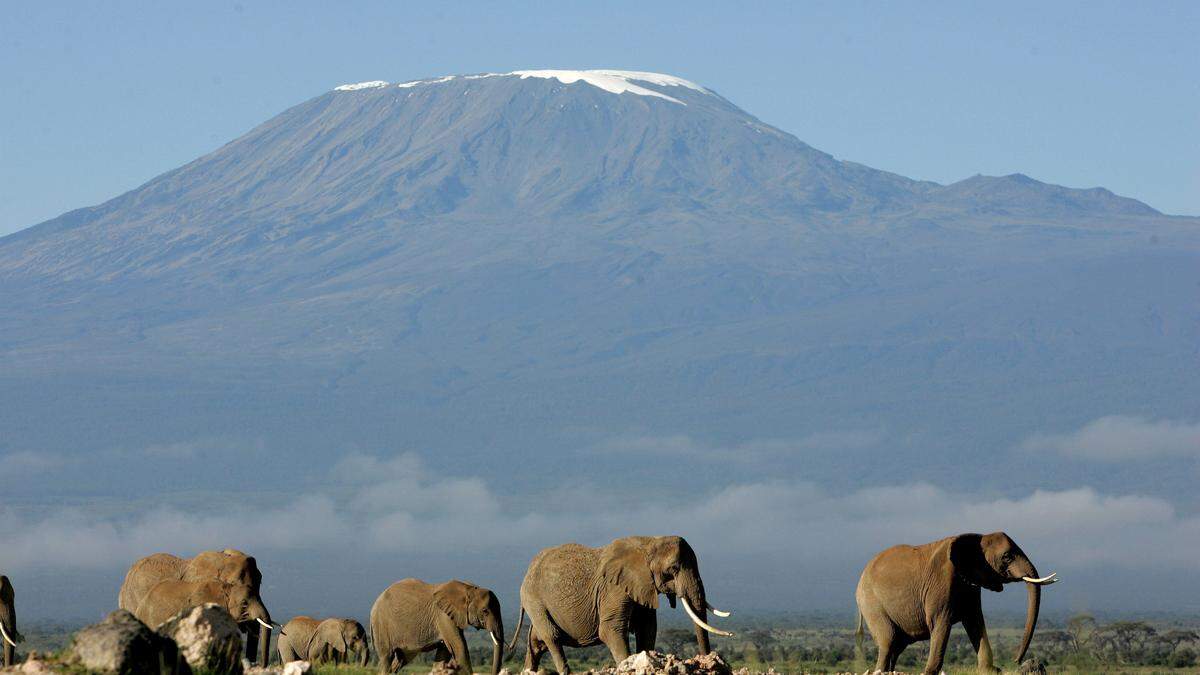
436, 80
373, 84
614, 81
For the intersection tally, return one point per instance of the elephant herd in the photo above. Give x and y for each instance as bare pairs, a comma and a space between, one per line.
577, 596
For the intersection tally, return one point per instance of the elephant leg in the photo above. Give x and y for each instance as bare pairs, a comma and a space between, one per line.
899, 644
883, 632
645, 631
252, 644
616, 639
392, 662
452, 637
535, 649
977, 632
441, 654
560, 659
939, 633
543, 627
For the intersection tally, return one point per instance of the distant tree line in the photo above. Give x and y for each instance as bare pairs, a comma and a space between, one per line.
1082, 642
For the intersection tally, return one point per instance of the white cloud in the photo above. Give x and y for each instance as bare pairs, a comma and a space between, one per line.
1119, 438
396, 506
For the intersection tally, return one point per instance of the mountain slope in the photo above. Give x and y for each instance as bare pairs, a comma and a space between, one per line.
524, 265
492, 148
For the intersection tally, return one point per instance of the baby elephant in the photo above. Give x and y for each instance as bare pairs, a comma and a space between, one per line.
332, 640
412, 616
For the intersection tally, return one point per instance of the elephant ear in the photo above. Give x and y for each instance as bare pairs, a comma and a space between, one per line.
6, 589
969, 563
329, 634
453, 598
626, 567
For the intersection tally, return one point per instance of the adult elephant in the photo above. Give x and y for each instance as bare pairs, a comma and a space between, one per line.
332, 640
909, 594
411, 617
228, 566
9, 635
578, 596
168, 598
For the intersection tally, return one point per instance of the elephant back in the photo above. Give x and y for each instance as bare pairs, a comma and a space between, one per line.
228, 566
557, 575
144, 574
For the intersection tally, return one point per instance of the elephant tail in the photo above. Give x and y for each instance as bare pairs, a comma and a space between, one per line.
858, 639
517, 633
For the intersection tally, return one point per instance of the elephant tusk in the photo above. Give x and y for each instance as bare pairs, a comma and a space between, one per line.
264, 624
6, 638
1044, 581
715, 631
718, 612
494, 640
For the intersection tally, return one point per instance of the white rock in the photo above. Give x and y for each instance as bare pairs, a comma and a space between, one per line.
208, 638
297, 668
35, 667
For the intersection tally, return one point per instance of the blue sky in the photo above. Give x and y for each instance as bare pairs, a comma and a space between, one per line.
101, 97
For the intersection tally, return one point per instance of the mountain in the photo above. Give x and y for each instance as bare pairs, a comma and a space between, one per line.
526, 267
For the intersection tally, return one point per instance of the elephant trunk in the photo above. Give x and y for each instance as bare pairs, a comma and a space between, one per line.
364, 654
690, 588
496, 630
1033, 606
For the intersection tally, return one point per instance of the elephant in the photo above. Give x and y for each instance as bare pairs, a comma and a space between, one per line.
9, 635
578, 596
307, 639
228, 566
168, 598
411, 617
908, 594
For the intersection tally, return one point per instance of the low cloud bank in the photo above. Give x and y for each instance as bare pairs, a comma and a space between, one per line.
1122, 438
388, 506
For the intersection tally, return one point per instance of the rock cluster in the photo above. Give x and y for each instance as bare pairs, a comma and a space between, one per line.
1032, 667
122, 644
201, 639
656, 663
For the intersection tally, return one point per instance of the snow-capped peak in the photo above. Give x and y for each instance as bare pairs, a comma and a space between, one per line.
614, 81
